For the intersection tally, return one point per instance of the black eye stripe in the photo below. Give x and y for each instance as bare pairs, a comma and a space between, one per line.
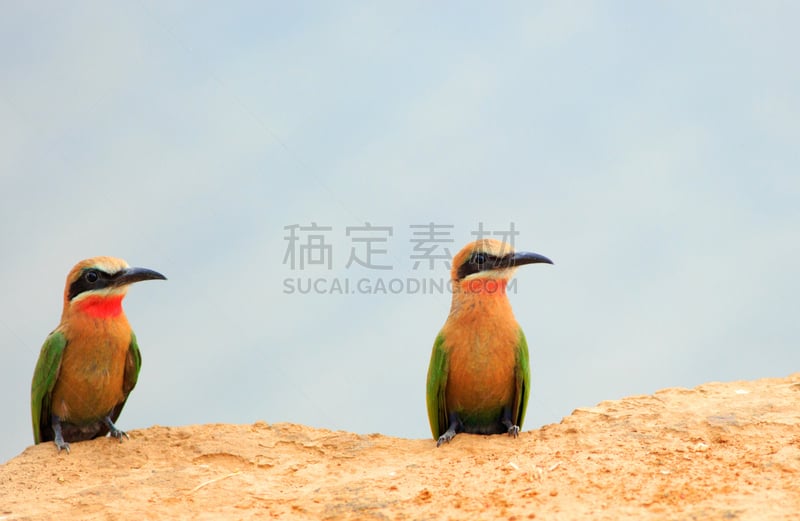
91, 278
478, 261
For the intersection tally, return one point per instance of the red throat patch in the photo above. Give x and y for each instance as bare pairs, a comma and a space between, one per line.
101, 307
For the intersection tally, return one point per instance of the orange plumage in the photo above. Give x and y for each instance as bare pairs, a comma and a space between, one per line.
89, 364
479, 377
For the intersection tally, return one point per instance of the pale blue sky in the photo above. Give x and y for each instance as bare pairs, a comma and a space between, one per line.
649, 149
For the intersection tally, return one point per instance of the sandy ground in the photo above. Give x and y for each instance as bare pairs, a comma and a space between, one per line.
720, 451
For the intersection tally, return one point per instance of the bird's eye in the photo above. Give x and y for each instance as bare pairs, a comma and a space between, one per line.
479, 258
91, 276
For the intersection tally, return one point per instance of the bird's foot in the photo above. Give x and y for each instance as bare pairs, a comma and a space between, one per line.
58, 437
513, 430
61, 444
446, 437
112, 429
450, 433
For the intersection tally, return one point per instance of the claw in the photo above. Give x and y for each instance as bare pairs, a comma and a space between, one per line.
112, 429
61, 444
513, 430
450, 433
446, 437
58, 437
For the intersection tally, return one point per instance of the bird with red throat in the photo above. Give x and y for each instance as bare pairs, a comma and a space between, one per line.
89, 364
479, 374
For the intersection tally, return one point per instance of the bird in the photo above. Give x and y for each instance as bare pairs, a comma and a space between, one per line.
89, 364
479, 374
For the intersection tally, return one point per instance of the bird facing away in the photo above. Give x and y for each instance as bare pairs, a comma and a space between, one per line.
479, 374
90, 363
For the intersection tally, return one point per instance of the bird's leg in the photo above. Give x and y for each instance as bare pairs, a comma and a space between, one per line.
452, 430
58, 437
112, 429
513, 430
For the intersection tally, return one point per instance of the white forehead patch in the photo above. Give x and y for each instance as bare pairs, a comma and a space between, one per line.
111, 266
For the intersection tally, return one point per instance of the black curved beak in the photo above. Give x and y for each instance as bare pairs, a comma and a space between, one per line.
131, 275
525, 257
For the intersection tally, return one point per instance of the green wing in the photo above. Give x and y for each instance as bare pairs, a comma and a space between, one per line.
523, 380
133, 362
437, 382
44, 379
132, 366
